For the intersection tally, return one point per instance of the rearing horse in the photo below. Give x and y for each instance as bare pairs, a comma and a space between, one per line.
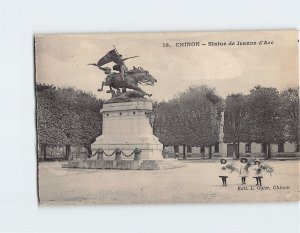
132, 79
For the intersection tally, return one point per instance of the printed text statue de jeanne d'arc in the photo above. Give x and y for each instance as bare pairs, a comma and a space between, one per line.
124, 78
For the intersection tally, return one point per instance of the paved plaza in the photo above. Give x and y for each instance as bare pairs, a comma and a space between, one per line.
197, 181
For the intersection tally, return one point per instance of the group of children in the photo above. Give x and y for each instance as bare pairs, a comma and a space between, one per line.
245, 169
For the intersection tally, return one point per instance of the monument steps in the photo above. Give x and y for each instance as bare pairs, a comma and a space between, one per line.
160, 164
125, 165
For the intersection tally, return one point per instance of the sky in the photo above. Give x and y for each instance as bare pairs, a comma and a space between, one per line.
62, 60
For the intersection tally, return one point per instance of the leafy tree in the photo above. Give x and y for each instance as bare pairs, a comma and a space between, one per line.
190, 119
290, 113
49, 133
235, 123
264, 119
44, 86
165, 125
67, 117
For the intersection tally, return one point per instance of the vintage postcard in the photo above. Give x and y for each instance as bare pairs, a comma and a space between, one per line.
183, 117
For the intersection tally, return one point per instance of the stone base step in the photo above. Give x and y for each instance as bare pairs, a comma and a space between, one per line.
103, 164
160, 164
125, 164
71, 164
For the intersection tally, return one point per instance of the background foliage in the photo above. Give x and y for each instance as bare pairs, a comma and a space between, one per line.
191, 118
66, 116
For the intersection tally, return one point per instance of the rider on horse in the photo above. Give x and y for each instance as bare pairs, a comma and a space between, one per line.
120, 65
124, 78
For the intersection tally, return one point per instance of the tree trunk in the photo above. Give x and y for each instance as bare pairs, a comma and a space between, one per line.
297, 146
234, 150
269, 151
68, 149
183, 155
238, 150
88, 147
210, 154
44, 151
265, 149
202, 151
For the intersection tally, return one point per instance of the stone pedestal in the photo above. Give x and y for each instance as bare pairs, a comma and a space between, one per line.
126, 126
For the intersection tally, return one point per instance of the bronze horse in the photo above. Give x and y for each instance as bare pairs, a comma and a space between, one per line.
132, 79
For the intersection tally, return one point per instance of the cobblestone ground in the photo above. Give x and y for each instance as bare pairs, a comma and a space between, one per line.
194, 183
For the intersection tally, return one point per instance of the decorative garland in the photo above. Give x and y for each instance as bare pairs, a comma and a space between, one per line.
136, 150
127, 155
94, 154
108, 154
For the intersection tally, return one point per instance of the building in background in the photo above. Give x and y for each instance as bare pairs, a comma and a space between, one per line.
249, 149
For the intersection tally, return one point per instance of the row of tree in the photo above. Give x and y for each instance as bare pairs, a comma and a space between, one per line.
263, 116
192, 118
66, 117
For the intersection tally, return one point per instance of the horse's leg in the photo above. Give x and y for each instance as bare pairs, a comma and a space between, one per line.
101, 89
113, 93
138, 89
143, 92
118, 91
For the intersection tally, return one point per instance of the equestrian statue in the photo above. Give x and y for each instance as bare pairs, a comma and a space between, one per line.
124, 78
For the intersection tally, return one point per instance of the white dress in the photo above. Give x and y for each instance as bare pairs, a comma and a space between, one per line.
243, 172
223, 171
257, 171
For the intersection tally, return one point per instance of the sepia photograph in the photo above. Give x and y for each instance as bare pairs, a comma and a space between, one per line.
167, 118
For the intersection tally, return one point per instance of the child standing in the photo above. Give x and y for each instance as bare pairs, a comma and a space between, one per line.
244, 170
258, 172
223, 173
